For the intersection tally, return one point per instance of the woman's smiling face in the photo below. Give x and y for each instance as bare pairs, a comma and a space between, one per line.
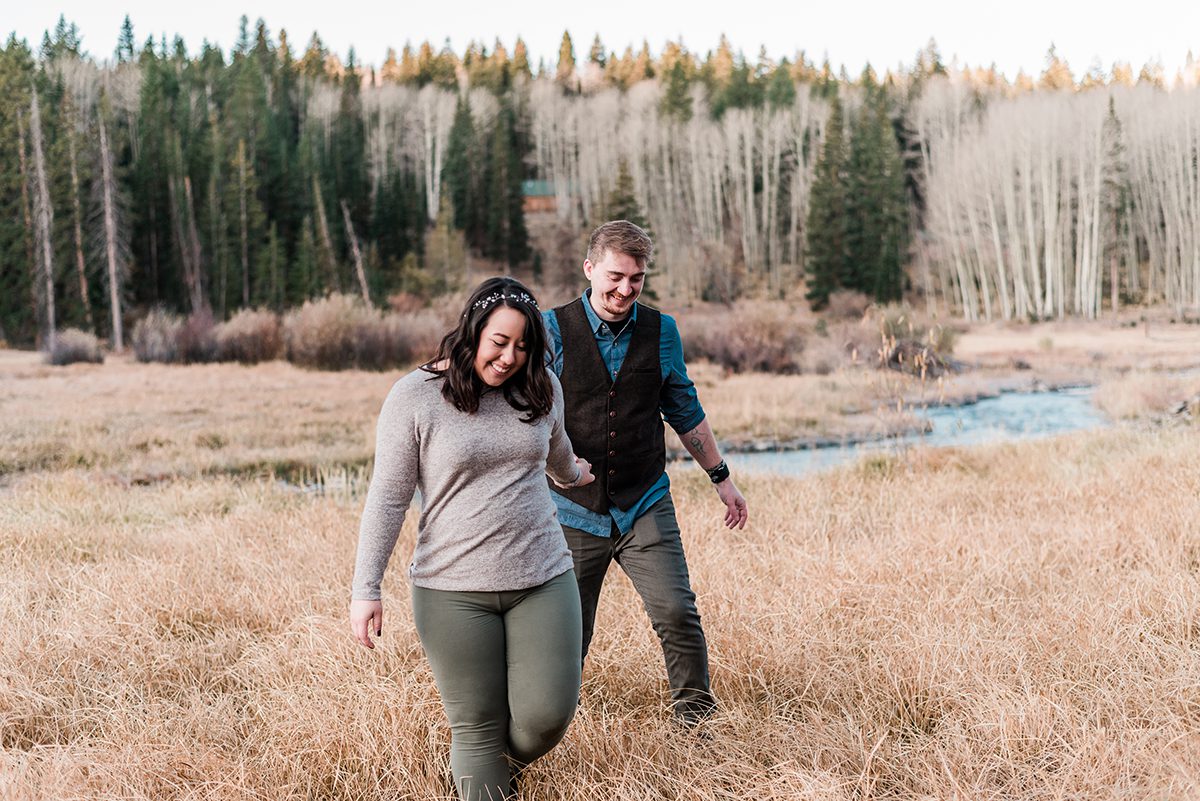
501, 352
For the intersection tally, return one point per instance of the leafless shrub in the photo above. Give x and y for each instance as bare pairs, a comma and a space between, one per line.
320, 334
845, 304
406, 303
747, 337
911, 342
340, 332
249, 337
72, 345
156, 337
197, 338
420, 331
901, 322
380, 344
823, 355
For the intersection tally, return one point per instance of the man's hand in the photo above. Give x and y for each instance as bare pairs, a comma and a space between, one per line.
366, 618
736, 513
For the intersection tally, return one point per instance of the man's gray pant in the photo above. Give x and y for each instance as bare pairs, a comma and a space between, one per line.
651, 554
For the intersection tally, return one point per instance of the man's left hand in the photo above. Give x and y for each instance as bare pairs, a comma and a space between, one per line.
736, 512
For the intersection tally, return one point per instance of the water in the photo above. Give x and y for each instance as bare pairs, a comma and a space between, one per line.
1005, 418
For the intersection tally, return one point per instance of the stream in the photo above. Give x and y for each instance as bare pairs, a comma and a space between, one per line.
1007, 417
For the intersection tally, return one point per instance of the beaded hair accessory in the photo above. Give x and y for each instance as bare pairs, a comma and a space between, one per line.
521, 297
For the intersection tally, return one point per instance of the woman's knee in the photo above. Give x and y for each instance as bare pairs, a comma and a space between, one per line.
535, 731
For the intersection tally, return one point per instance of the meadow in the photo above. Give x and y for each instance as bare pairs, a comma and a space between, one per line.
1008, 621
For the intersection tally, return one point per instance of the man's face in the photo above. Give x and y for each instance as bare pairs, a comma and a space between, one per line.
617, 281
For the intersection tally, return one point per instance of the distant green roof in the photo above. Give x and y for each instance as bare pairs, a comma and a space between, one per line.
537, 188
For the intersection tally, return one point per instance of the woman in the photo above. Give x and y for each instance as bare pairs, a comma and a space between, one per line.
494, 595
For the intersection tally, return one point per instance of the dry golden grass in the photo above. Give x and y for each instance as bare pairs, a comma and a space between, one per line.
1083, 345
144, 422
1018, 621
1144, 394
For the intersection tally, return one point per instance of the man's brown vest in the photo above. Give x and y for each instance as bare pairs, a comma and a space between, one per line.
614, 423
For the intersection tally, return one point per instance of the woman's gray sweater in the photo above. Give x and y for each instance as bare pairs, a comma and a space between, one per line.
487, 520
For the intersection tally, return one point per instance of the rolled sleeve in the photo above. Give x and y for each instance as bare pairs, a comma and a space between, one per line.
679, 402
554, 348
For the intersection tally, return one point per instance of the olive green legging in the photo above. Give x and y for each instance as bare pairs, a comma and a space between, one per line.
507, 665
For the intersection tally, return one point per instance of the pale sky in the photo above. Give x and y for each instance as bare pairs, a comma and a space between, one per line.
1013, 34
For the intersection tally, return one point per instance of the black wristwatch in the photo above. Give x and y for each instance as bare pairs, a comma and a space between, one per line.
719, 473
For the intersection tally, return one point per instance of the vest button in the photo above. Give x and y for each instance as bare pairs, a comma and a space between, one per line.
612, 492
612, 434
612, 414
612, 472
612, 394
612, 453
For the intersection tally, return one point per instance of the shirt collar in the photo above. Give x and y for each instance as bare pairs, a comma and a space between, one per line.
594, 319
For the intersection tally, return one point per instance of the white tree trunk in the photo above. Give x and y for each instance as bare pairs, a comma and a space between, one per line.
43, 214
116, 271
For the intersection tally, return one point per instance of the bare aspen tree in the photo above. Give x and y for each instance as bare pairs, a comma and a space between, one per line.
243, 221
711, 188
193, 241
332, 277
27, 213
1046, 196
113, 252
43, 215
434, 118
356, 254
80, 80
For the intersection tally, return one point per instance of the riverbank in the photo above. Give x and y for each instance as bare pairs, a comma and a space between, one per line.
150, 422
1139, 370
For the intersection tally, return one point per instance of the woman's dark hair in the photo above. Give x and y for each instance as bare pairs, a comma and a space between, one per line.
529, 389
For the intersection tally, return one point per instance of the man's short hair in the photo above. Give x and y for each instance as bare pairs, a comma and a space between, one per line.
621, 236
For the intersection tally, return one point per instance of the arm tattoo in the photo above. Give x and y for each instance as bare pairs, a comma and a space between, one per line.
698, 444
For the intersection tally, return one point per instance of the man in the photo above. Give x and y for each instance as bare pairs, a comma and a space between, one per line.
622, 372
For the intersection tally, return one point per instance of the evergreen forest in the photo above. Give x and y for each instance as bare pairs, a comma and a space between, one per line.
156, 176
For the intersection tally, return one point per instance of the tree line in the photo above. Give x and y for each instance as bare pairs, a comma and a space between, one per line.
210, 182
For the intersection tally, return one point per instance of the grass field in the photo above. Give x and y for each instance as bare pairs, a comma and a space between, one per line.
1018, 621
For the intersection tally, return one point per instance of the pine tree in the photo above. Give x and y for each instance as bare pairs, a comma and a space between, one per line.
304, 281
826, 226
125, 43
1117, 203
596, 53
351, 184
781, 91
676, 101
507, 238
17, 319
1057, 74
520, 61
269, 286
459, 175
312, 63
564, 75
876, 211
622, 202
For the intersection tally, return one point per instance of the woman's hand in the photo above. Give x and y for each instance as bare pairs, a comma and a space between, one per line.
366, 618
585, 475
